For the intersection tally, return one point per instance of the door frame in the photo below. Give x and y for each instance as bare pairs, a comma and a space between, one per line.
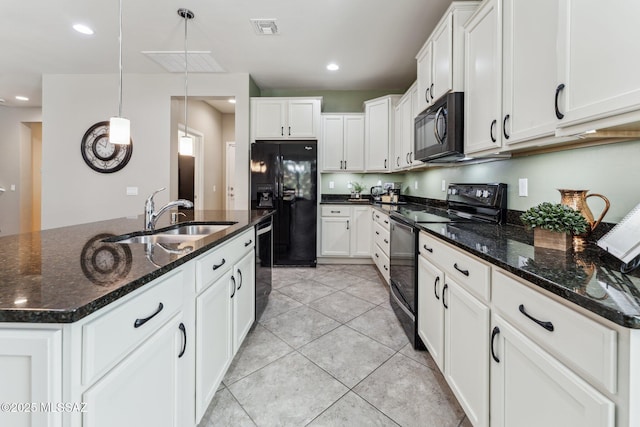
227, 144
198, 152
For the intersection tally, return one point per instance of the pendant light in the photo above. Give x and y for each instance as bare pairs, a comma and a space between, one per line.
119, 127
185, 147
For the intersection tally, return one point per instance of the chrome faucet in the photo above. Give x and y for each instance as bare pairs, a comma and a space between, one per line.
151, 217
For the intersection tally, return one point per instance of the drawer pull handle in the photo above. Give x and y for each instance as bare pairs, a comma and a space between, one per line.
547, 325
377, 256
435, 287
465, 272
184, 337
559, 115
140, 322
378, 233
217, 266
385, 267
444, 303
233, 281
240, 274
335, 211
386, 222
495, 332
248, 243
427, 249
386, 241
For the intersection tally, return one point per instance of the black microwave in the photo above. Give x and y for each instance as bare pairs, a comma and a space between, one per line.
439, 130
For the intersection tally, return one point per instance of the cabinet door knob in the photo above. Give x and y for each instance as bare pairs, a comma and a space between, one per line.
491, 130
504, 126
183, 329
398, 161
140, 322
495, 332
559, 115
347, 224
289, 130
281, 130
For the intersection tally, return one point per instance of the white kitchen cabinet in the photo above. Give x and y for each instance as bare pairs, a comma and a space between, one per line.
431, 310
379, 132
343, 142
381, 243
598, 69
405, 112
529, 387
144, 389
285, 118
440, 61
214, 339
244, 299
466, 365
30, 369
483, 79
224, 313
345, 231
361, 231
510, 76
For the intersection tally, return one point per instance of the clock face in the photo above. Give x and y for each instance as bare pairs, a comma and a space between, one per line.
101, 155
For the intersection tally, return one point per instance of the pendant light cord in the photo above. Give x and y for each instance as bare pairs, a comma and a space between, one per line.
120, 61
186, 73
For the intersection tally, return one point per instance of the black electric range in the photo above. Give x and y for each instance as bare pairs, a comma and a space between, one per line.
485, 203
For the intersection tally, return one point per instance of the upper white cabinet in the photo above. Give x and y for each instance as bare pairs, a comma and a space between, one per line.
598, 79
379, 131
440, 61
510, 69
405, 112
343, 142
285, 118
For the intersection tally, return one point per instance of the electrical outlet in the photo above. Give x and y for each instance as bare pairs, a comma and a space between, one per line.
444, 186
332, 184
349, 185
214, 188
523, 187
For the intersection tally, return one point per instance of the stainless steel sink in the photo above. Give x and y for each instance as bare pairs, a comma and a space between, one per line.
201, 229
163, 238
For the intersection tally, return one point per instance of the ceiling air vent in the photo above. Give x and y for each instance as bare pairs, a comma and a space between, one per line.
265, 27
198, 61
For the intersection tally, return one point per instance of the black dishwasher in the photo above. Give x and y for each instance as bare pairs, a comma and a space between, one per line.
264, 263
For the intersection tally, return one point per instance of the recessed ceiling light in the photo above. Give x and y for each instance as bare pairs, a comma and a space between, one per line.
333, 67
22, 98
83, 29
232, 100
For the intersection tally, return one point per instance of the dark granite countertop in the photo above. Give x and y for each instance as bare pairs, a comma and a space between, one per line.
62, 275
590, 278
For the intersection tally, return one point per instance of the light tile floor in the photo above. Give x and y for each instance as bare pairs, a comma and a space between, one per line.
329, 352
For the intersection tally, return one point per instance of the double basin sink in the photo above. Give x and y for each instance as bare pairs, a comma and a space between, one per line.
176, 235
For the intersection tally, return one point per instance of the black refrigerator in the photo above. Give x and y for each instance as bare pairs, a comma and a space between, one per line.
284, 177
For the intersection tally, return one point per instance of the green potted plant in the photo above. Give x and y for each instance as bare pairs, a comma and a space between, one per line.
357, 189
554, 225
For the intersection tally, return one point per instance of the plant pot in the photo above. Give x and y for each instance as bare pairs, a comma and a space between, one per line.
551, 239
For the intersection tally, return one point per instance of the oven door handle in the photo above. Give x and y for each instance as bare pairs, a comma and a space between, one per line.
402, 306
264, 230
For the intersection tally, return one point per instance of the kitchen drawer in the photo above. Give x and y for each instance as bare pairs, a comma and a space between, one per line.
382, 262
380, 218
212, 265
335, 210
381, 237
584, 345
466, 270
108, 338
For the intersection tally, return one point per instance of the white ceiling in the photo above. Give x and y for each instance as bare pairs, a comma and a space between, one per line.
373, 41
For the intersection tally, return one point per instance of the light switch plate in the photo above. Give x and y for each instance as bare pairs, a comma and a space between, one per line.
415, 185
132, 191
523, 187
332, 184
444, 186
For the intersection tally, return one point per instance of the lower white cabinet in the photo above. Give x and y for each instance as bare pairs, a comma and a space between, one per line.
243, 299
431, 309
529, 387
145, 388
345, 231
380, 247
30, 371
466, 354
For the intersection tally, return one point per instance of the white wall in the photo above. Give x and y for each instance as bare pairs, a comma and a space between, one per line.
73, 193
12, 128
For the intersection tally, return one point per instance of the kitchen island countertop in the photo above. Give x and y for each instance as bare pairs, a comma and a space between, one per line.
64, 274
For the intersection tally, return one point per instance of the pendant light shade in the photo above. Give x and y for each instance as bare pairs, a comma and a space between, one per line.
185, 146
119, 127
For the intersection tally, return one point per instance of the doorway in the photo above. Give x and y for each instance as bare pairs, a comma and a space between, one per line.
190, 169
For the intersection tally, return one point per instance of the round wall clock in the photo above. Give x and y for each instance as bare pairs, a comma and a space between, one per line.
101, 155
